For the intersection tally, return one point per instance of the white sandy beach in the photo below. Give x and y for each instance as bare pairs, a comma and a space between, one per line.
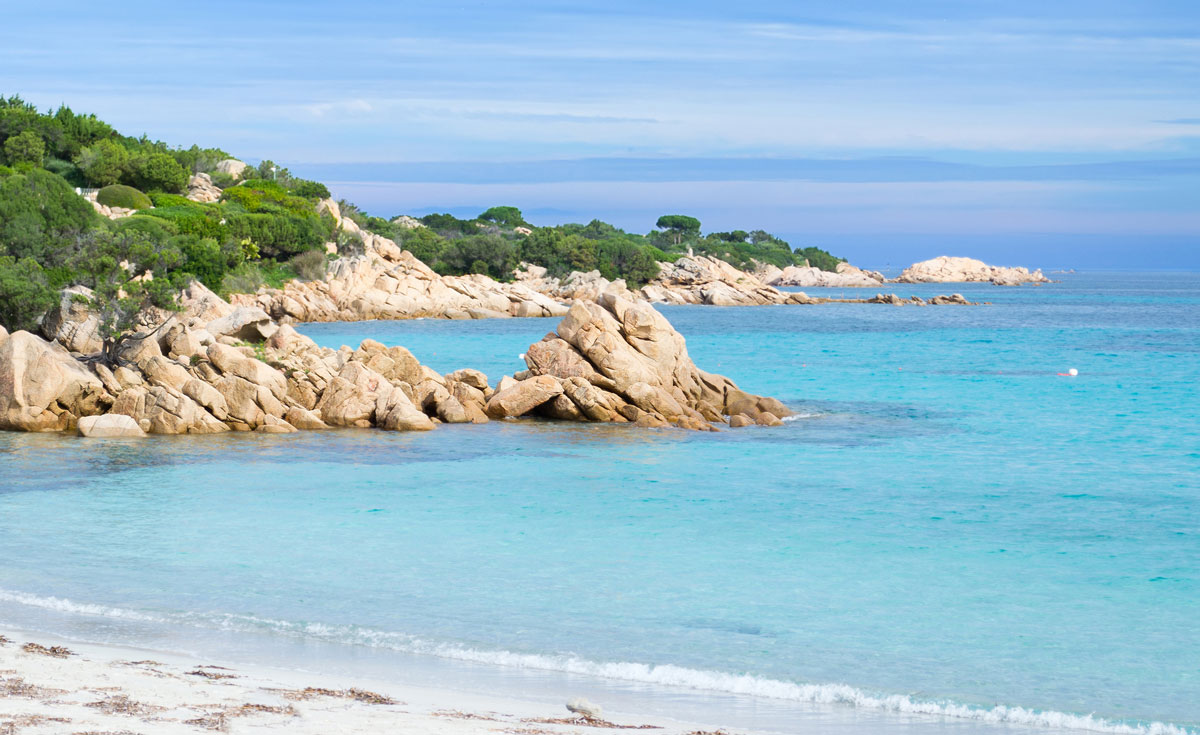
53, 686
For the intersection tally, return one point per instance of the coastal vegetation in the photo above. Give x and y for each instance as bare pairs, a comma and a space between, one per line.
262, 226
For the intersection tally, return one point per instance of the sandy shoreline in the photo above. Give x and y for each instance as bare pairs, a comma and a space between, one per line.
48, 685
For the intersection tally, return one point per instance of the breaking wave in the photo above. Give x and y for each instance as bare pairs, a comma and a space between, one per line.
662, 674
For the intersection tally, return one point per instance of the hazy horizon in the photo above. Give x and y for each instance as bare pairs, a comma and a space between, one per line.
1064, 136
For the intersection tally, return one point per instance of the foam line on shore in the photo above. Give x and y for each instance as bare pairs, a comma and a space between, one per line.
664, 674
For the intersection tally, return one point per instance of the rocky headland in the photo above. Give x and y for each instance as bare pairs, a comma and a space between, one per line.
700, 280
382, 281
846, 276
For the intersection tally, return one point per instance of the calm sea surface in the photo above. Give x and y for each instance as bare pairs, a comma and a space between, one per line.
949, 528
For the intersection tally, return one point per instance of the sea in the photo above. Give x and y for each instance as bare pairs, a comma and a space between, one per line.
951, 534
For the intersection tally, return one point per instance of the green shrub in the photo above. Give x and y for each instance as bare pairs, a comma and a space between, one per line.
27, 147
103, 163
39, 212
509, 216
222, 180
491, 255
309, 189
249, 277
424, 243
67, 170
119, 195
279, 235
157, 172
209, 261
309, 266
260, 195
25, 294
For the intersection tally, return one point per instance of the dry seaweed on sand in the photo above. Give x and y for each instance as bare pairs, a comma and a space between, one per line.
53, 651
18, 687
219, 719
106, 732
121, 704
211, 721
454, 714
211, 675
588, 722
358, 695
14, 723
262, 709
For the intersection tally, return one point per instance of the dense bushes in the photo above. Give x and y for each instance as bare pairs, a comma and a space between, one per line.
279, 235
25, 294
156, 172
119, 195
38, 211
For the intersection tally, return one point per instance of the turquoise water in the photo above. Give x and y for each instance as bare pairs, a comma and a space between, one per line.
948, 527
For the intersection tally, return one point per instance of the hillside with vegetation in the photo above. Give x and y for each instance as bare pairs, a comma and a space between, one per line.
258, 226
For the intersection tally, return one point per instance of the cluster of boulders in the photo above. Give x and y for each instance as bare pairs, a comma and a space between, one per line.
379, 280
619, 360
804, 276
946, 269
955, 299
213, 367
202, 189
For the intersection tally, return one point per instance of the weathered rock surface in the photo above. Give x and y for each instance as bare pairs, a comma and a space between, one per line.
72, 324
44, 388
110, 426
846, 276
615, 359
946, 269
202, 189
233, 167
382, 281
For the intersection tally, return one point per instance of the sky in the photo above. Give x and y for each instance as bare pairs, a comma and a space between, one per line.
1061, 134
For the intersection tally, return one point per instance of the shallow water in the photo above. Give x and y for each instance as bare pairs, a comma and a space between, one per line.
947, 527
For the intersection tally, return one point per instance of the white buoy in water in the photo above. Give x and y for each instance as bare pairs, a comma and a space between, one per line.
1072, 372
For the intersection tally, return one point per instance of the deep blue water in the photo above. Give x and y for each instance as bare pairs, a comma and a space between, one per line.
948, 527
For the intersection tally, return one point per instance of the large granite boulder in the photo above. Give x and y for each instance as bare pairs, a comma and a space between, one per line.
110, 426
44, 388
72, 323
617, 357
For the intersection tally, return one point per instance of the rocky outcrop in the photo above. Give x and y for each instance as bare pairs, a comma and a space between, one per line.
202, 189
382, 281
946, 269
44, 388
233, 167
619, 360
407, 223
892, 299
846, 276
72, 324
703, 280
213, 367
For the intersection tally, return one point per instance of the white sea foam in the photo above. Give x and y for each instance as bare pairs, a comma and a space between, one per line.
664, 675
798, 416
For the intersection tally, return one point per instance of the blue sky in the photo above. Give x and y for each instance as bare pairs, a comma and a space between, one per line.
1050, 134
